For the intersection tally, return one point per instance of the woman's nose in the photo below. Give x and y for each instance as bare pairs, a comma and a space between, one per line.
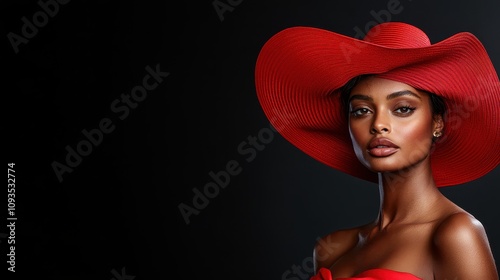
380, 123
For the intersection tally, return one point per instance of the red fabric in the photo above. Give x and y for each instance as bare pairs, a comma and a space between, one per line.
372, 274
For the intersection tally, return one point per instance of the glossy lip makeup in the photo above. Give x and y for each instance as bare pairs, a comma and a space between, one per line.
382, 147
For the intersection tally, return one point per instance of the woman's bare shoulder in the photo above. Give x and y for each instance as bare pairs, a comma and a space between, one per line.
458, 226
462, 249
329, 248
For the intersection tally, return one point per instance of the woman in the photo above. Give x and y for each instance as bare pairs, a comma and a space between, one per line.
403, 113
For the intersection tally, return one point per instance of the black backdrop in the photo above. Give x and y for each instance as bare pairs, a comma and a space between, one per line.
116, 214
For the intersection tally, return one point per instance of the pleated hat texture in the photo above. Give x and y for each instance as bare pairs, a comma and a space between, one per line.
300, 70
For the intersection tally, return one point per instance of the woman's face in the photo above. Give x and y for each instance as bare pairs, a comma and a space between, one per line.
390, 124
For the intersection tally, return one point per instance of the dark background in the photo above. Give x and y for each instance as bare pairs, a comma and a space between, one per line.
118, 208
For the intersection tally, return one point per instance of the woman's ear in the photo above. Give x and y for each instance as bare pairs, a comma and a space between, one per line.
438, 124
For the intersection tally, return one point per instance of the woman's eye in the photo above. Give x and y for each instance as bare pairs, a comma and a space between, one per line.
360, 112
405, 110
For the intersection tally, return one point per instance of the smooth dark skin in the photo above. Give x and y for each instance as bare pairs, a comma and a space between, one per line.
418, 230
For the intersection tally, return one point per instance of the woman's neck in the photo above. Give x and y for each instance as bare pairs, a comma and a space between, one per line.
407, 196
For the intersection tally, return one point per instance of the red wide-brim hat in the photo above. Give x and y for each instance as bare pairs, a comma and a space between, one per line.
300, 70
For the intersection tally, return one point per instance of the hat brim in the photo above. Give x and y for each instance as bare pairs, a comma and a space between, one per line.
300, 70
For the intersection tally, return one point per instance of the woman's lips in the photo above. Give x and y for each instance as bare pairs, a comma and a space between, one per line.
382, 147
382, 152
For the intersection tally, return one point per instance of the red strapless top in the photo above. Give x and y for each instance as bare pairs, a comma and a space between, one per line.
371, 274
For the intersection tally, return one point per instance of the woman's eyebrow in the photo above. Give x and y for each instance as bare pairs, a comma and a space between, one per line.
389, 97
402, 93
361, 97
